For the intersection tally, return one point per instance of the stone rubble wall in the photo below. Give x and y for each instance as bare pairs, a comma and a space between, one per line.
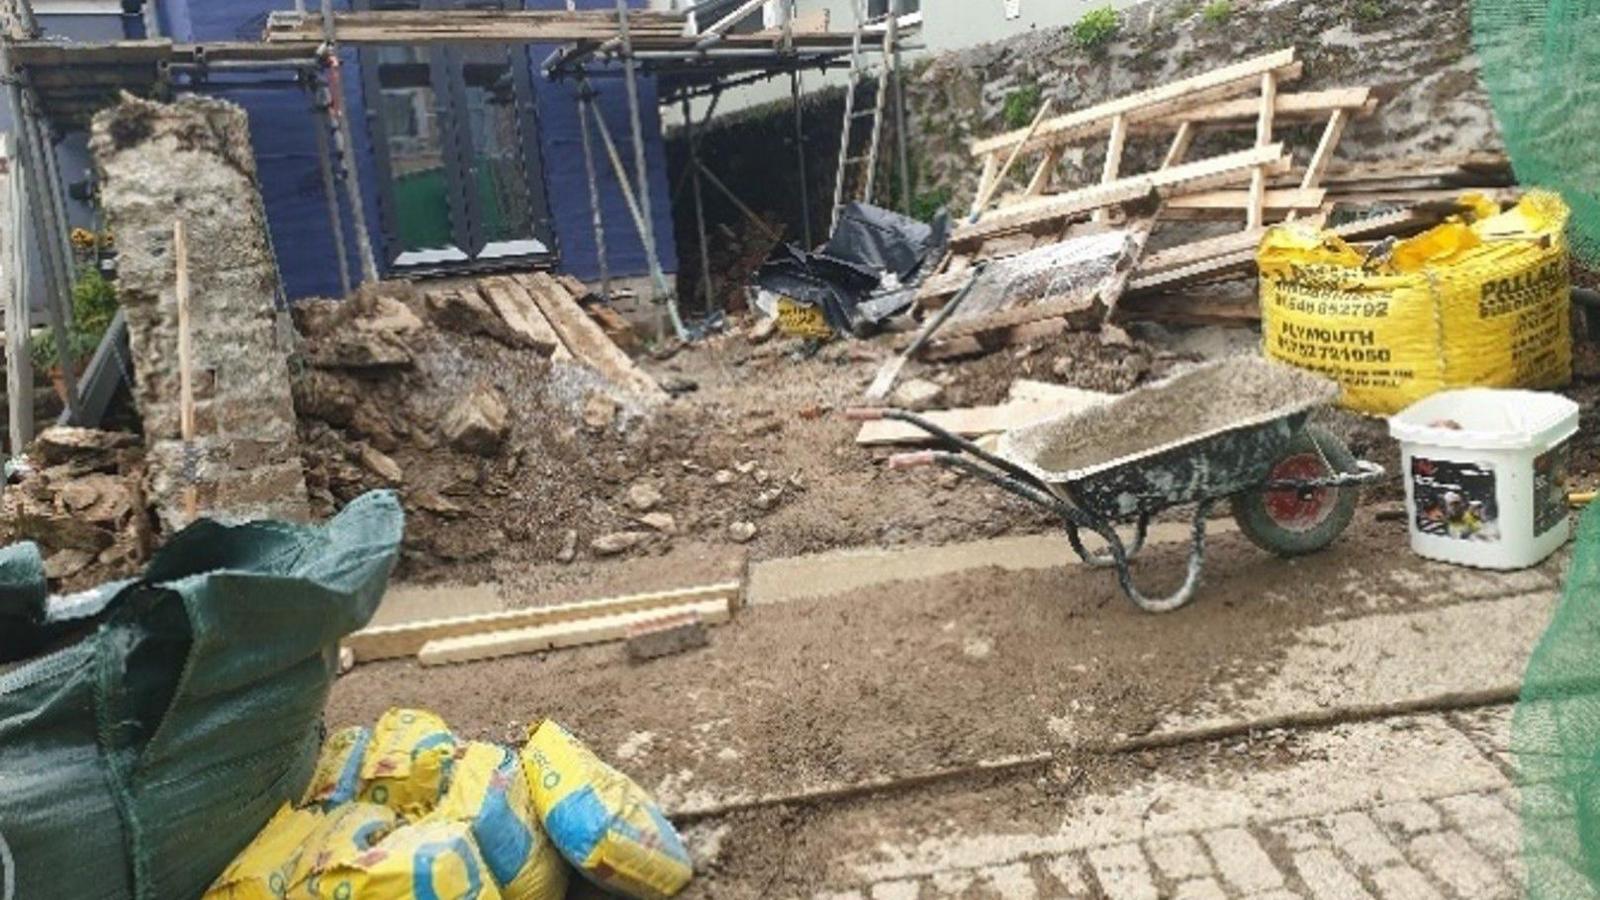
193, 160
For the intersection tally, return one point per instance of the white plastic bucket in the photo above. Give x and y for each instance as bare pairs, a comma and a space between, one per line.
1486, 474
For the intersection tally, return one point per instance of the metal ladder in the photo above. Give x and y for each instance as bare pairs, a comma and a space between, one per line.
860, 71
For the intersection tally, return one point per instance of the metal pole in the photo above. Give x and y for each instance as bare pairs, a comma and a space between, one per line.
330, 192
899, 107
643, 172
706, 291
19, 363
800, 156
585, 102
58, 287
334, 86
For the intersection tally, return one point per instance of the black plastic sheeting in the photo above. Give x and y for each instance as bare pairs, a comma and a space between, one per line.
173, 714
849, 277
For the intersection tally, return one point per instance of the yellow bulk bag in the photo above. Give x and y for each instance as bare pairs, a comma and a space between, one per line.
337, 778
489, 791
344, 834
803, 320
434, 861
264, 870
1480, 304
601, 821
407, 765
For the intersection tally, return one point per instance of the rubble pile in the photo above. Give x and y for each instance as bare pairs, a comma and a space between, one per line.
499, 451
80, 497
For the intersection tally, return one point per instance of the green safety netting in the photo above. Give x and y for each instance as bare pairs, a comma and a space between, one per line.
1541, 65
1555, 737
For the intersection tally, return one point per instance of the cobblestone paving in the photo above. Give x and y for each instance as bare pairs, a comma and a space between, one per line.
1464, 846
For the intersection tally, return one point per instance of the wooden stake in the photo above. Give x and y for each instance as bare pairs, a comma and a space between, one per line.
1180, 145
1113, 167
1258, 179
180, 258
1045, 174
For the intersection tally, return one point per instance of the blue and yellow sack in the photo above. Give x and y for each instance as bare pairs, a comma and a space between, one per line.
607, 826
265, 869
433, 861
345, 833
407, 765
337, 779
489, 792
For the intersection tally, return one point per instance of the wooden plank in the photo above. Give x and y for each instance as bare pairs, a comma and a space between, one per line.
1155, 103
522, 315
1215, 170
1305, 106
471, 648
1258, 178
408, 638
583, 337
1278, 199
974, 421
1113, 166
465, 25
1189, 311
999, 178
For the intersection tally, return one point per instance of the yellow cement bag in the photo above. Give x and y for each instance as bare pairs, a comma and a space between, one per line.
433, 861
407, 765
601, 821
1480, 304
337, 779
803, 321
345, 833
489, 792
265, 869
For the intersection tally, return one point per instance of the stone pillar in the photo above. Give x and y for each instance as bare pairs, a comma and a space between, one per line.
192, 160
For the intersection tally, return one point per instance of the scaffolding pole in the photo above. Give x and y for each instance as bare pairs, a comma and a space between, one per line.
330, 193
706, 291
42, 203
893, 33
799, 127
333, 85
19, 320
585, 103
641, 165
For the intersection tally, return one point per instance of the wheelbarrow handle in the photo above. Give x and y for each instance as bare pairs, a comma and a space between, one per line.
864, 414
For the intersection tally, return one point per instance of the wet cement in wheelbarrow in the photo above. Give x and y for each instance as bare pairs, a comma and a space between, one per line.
1187, 406
906, 678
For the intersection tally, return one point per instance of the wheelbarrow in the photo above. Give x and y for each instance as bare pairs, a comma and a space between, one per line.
1231, 430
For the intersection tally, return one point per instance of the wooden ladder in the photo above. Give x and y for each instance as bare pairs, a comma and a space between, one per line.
861, 71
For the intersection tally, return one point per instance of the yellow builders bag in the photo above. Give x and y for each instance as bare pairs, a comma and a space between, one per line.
601, 821
1481, 304
337, 778
345, 833
802, 320
407, 765
433, 861
264, 870
489, 792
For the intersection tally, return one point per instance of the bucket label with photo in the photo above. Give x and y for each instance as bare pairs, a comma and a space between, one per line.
1455, 499
1550, 488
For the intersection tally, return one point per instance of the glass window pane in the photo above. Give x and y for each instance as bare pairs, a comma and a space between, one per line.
497, 172
411, 128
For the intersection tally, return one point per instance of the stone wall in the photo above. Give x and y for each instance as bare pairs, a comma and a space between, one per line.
1417, 51
193, 160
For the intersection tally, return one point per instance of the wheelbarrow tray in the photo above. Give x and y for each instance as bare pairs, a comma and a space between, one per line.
1210, 432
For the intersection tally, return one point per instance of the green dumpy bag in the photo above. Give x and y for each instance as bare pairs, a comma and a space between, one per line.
157, 724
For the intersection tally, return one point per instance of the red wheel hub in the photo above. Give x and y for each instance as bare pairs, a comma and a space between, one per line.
1300, 510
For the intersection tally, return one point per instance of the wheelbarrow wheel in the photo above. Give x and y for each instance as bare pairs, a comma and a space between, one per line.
1292, 522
